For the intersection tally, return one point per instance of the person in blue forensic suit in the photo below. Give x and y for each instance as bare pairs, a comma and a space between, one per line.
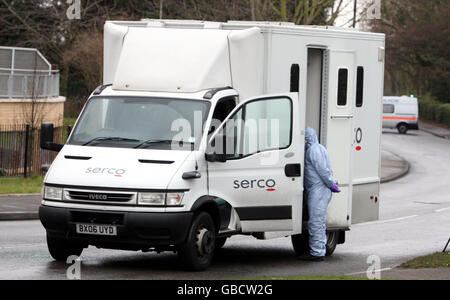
319, 184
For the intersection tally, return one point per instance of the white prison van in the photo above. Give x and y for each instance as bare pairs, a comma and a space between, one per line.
198, 134
401, 113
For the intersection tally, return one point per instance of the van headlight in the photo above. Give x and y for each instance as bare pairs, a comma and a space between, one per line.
53, 193
168, 199
152, 198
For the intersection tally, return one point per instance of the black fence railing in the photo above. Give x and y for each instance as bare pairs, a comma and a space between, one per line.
20, 152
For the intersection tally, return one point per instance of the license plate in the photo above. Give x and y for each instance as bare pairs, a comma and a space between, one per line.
96, 229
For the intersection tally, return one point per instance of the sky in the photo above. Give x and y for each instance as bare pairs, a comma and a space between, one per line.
346, 17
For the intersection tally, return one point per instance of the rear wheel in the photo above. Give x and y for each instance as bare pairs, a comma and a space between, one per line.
402, 128
61, 249
197, 251
300, 242
332, 241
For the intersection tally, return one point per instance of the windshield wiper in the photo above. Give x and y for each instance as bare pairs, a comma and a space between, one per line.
98, 139
160, 141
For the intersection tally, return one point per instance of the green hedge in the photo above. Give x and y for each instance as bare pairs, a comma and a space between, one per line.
433, 110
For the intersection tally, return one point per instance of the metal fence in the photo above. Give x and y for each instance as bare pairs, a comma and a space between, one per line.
26, 73
29, 85
20, 152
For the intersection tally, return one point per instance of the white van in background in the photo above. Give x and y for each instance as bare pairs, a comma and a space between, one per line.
401, 113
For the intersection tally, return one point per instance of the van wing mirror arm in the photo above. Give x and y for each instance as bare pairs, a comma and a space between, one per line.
53, 147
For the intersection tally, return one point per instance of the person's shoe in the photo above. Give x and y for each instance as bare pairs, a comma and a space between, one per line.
309, 257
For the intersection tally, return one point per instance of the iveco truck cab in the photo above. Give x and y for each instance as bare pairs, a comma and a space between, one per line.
198, 134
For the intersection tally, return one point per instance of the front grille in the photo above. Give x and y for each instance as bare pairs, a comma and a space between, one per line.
96, 196
100, 197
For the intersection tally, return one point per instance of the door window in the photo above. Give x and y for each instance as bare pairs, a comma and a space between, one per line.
359, 86
388, 108
258, 126
223, 108
295, 78
342, 87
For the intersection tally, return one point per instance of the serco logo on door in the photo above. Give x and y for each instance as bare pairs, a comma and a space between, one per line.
111, 171
268, 184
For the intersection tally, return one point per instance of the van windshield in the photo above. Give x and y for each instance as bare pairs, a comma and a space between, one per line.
141, 123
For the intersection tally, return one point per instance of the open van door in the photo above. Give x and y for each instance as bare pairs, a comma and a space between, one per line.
339, 136
260, 174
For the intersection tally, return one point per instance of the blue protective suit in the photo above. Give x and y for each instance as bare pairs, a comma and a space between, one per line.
318, 181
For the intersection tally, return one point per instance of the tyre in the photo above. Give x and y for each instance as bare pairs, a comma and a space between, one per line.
61, 249
402, 128
332, 241
197, 251
300, 242
220, 242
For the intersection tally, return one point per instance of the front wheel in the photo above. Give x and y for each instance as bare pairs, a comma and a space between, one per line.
197, 251
61, 249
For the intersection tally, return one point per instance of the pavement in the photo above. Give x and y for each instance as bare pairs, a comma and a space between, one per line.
19, 207
393, 166
435, 129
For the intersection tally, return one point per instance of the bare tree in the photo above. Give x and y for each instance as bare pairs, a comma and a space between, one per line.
86, 55
33, 113
305, 12
33, 110
417, 52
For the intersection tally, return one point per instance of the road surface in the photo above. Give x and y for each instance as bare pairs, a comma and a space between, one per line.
414, 221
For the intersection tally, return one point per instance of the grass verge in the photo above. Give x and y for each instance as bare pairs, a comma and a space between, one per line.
69, 121
20, 185
437, 260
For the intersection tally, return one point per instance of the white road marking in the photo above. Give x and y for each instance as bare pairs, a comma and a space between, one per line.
17, 212
23, 246
364, 272
442, 209
387, 221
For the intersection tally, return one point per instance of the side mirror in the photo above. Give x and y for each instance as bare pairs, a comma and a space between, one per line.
47, 138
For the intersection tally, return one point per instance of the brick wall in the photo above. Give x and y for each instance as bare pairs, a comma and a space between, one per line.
19, 111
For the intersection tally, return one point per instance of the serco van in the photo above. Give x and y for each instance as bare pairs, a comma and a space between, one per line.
132, 177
